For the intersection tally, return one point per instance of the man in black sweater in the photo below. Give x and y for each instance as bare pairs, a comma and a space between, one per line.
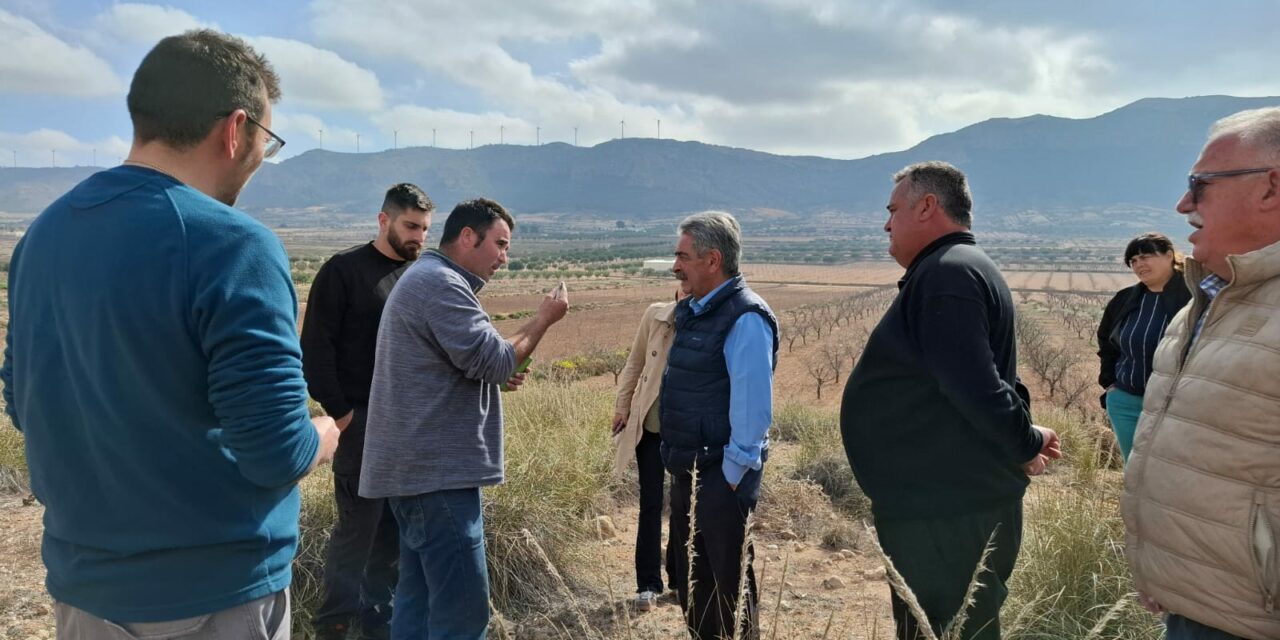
935, 423
339, 336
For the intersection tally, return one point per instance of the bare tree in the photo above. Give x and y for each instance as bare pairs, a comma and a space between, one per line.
821, 373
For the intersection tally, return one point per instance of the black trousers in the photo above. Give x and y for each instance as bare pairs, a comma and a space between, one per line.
649, 529
937, 556
719, 519
360, 568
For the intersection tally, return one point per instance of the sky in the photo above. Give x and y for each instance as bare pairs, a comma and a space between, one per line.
833, 78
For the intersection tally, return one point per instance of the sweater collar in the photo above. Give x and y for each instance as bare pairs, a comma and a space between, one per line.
955, 237
474, 281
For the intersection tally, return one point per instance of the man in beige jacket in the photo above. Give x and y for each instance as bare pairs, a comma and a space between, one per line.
635, 430
1201, 500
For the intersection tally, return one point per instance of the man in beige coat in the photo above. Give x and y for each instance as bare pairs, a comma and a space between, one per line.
635, 430
1201, 500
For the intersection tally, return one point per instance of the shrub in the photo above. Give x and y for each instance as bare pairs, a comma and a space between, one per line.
558, 470
13, 459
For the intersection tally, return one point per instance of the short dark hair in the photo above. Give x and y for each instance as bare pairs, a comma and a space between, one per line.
1152, 242
188, 81
946, 183
479, 214
404, 196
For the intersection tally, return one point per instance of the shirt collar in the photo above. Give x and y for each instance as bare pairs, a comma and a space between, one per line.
698, 304
955, 237
474, 281
1212, 285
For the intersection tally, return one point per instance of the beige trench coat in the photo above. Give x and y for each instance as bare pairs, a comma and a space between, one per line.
641, 378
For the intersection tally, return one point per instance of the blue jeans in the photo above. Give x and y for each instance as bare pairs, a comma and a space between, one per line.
1180, 628
443, 591
1123, 408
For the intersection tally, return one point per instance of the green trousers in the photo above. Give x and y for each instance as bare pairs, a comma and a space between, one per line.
937, 557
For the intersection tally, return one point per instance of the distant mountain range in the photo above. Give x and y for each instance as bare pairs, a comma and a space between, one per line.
1121, 167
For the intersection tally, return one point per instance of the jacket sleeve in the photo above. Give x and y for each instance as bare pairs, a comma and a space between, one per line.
953, 337
321, 326
6, 372
630, 375
1109, 353
244, 315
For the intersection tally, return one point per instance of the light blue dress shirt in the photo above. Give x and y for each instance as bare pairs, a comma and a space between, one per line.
748, 354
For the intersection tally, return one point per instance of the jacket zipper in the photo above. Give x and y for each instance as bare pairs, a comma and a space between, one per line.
1257, 515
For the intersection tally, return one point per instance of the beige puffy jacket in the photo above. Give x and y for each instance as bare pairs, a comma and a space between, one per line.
1201, 499
641, 378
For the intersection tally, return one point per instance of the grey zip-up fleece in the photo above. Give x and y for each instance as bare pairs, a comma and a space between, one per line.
435, 411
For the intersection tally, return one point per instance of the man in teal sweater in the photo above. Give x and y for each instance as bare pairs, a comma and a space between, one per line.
152, 363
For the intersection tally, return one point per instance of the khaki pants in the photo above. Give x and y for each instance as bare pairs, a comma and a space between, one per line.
266, 618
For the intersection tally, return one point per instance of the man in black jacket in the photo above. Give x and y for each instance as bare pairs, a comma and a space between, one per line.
339, 335
935, 423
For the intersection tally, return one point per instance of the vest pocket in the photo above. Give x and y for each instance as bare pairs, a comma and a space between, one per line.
1263, 544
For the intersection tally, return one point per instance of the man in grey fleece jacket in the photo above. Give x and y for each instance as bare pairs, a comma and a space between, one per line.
434, 433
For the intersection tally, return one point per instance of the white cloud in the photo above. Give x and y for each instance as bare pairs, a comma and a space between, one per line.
315, 78
134, 23
34, 62
792, 76
42, 147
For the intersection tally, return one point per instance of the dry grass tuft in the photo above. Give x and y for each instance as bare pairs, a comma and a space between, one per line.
13, 459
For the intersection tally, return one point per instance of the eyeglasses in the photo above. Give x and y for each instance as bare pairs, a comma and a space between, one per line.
1196, 182
273, 145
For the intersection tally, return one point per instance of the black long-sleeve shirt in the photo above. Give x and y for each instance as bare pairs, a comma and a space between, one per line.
933, 418
340, 334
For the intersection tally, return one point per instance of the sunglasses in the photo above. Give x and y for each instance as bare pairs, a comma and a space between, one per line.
1196, 182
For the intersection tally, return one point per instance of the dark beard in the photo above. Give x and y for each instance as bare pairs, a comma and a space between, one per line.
407, 253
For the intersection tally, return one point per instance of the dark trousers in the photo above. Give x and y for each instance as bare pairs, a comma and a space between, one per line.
360, 570
1180, 628
719, 519
937, 556
649, 529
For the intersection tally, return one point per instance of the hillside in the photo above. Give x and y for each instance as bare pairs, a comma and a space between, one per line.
1122, 168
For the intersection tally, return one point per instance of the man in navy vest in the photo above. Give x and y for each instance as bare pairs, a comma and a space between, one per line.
716, 408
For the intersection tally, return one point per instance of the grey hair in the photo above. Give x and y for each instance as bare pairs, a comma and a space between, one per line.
946, 183
715, 230
1258, 128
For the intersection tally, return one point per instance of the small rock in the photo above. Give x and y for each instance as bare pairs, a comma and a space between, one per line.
787, 534
798, 595
784, 605
874, 574
605, 528
832, 583
847, 554
789, 584
771, 547
800, 546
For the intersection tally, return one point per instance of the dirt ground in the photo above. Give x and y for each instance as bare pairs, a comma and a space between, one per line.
25, 608
855, 604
